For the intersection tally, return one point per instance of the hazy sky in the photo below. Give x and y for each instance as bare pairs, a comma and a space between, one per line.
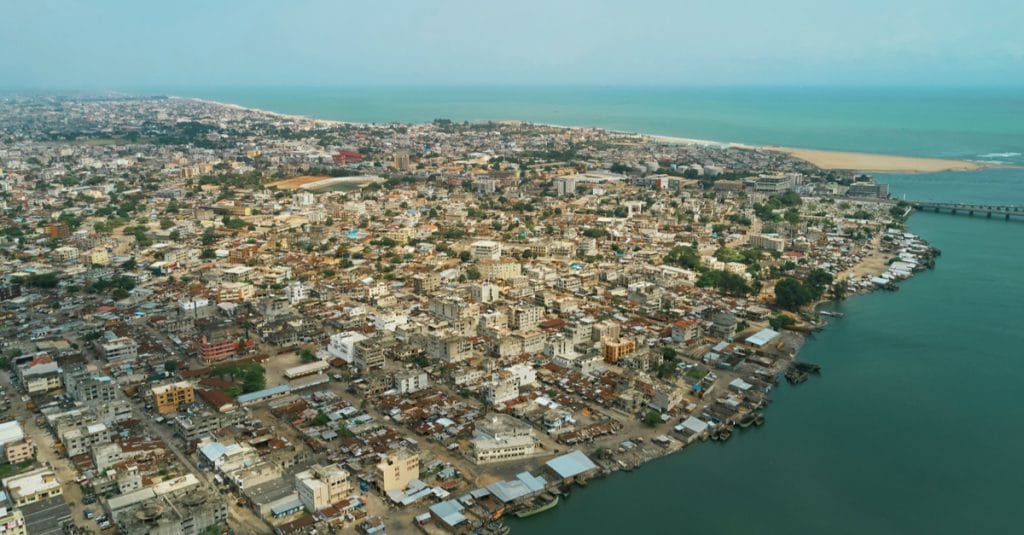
106, 44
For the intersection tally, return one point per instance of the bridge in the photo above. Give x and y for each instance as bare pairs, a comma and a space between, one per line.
970, 209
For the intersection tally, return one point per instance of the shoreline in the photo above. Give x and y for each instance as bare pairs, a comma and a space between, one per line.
829, 160
867, 266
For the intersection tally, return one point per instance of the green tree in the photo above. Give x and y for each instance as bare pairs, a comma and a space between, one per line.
791, 294
652, 418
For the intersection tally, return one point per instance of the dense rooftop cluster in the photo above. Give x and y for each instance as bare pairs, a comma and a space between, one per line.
224, 316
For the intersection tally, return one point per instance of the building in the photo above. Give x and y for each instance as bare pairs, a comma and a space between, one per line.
322, 486
565, 186
178, 506
170, 397
369, 354
867, 187
87, 387
12, 522
64, 255
685, 331
525, 317
485, 249
410, 381
500, 269
56, 231
14, 445
768, 242
119, 349
613, 350
502, 438
39, 374
775, 183
342, 345
80, 439
397, 470
32, 486
217, 347
401, 161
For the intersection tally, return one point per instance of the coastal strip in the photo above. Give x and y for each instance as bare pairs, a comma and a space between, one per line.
824, 159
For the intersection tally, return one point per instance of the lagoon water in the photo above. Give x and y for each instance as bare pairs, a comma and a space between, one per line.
916, 424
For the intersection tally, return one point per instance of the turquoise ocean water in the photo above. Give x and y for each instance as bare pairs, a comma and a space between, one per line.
916, 424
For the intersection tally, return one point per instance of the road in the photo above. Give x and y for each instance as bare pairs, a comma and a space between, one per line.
241, 519
66, 472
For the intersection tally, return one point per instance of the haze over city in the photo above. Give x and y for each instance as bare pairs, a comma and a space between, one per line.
128, 44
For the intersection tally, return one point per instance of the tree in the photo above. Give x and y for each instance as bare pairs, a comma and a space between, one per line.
473, 273
321, 418
170, 366
817, 281
307, 356
791, 294
839, 289
780, 321
208, 254
130, 264
652, 418
464, 256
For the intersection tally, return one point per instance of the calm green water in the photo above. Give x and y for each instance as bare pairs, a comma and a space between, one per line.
915, 425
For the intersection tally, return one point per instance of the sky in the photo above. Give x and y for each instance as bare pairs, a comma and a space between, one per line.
124, 45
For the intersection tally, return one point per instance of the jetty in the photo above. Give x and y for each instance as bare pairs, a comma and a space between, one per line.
1007, 211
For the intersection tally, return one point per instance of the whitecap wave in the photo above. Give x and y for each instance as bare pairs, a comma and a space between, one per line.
1000, 155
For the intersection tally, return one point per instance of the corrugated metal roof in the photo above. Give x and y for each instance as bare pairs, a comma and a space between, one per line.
571, 464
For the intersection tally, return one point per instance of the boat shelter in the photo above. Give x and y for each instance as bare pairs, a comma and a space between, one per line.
571, 465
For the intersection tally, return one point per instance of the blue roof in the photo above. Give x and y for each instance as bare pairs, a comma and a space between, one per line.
450, 512
286, 507
265, 393
571, 464
213, 451
762, 337
509, 491
534, 483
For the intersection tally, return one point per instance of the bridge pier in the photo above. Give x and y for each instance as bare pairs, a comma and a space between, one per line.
990, 215
1007, 216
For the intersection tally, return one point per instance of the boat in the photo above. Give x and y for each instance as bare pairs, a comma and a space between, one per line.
759, 420
749, 419
831, 314
538, 509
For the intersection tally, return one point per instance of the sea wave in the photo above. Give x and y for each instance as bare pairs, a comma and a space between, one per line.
1000, 155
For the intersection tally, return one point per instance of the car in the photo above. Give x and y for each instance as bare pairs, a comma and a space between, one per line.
88, 513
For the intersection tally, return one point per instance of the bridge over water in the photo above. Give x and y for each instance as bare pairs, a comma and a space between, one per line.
1006, 211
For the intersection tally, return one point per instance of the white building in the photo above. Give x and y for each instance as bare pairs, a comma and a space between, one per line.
410, 381
502, 438
342, 345
485, 249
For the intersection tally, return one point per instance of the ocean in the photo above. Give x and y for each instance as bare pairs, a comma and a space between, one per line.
915, 425
971, 124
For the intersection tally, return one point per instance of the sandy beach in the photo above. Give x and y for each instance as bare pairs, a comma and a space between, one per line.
879, 163
825, 159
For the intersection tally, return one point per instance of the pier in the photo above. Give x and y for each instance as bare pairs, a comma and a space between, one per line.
1005, 211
